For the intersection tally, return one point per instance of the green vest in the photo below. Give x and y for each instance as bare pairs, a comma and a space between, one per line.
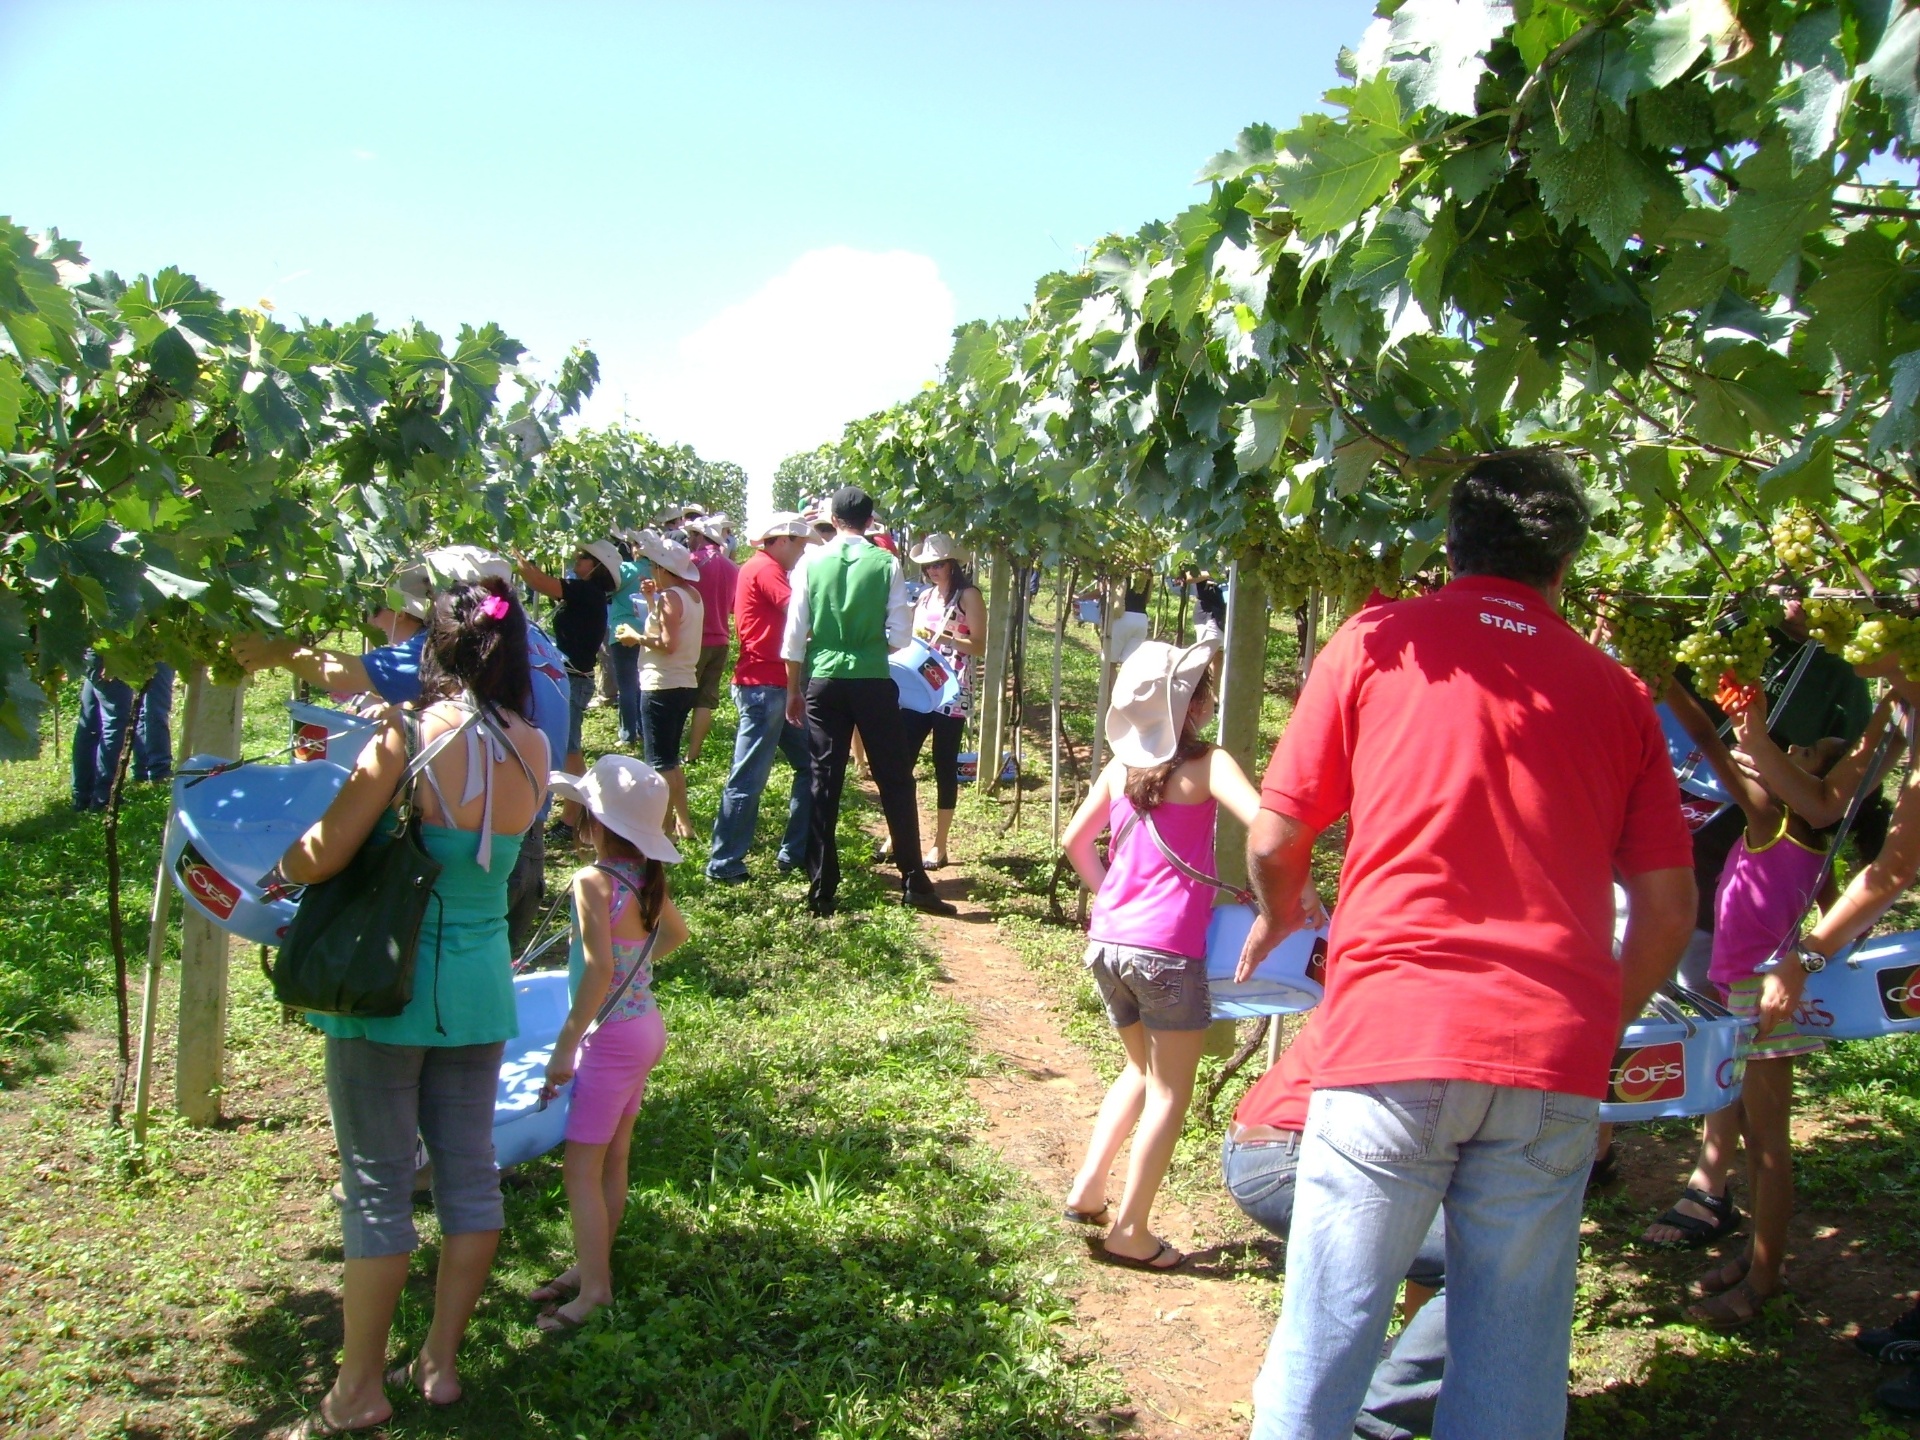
847, 591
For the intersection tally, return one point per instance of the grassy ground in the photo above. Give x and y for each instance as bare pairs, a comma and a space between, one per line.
1638, 1369
815, 1245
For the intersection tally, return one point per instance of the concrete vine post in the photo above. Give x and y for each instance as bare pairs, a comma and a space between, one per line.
1242, 686
993, 687
213, 727
1059, 643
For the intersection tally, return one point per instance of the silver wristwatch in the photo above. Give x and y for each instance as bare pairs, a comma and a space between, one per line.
1811, 961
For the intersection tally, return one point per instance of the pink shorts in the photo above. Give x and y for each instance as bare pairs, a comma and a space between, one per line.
611, 1077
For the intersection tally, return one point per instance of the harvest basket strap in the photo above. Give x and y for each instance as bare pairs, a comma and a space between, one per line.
1198, 876
619, 993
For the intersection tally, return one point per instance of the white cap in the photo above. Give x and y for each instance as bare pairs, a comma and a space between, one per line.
628, 796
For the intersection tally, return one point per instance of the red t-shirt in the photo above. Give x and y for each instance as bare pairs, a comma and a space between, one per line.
760, 617
1279, 1097
1497, 770
718, 586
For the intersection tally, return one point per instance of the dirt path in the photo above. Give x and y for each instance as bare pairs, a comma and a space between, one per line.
1186, 1345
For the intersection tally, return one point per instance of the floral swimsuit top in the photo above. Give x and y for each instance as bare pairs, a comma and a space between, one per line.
628, 958
939, 623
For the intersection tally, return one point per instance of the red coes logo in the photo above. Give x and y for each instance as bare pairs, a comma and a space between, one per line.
1900, 992
1726, 1072
1648, 1072
1813, 1015
1317, 962
206, 884
310, 742
933, 672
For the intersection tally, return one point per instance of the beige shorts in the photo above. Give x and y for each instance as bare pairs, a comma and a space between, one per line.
707, 672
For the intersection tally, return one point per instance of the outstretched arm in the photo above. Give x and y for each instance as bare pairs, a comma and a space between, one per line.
1753, 798
323, 669
546, 584
1819, 799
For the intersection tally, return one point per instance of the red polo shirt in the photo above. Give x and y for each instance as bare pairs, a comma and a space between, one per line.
1497, 770
759, 618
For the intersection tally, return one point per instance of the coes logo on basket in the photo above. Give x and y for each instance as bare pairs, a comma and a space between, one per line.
1900, 992
1317, 962
206, 884
1648, 1072
933, 672
310, 742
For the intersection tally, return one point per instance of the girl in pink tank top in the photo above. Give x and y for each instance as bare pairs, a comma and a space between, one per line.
1147, 950
1765, 892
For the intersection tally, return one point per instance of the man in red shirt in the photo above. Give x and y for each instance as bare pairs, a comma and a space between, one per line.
719, 586
760, 691
1498, 772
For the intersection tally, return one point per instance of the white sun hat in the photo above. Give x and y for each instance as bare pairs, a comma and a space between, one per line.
936, 547
464, 564
1151, 693
607, 554
411, 591
666, 555
628, 796
784, 522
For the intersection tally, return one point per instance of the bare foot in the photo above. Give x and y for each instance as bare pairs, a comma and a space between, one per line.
561, 1288
435, 1386
324, 1419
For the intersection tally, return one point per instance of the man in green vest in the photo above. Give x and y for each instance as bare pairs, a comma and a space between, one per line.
848, 612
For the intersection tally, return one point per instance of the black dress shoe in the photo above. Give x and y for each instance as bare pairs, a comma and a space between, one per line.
821, 907
927, 901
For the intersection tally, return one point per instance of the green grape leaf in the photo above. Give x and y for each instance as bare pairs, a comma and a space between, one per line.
1335, 169
1806, 475
1774, 209
1893, 70
1601, 184
1265, 426
1691, 279
1850, 302
1662, 44
1435, 50
1899, 428
1814, 86
1468, 174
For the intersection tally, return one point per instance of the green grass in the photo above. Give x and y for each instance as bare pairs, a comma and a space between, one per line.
816, 1243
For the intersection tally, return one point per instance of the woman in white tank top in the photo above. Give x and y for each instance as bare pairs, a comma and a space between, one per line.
669, 659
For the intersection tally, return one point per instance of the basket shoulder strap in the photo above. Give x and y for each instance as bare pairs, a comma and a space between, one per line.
619, 992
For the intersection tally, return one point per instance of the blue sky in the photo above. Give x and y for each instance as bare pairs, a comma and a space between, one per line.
766, 218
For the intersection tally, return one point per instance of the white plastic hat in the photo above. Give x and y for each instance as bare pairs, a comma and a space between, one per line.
783, 522
607, 553
1151, 693
628, 796
935, 547
464, 564
675, 559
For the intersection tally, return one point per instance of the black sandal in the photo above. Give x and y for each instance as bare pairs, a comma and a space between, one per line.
1089, 1217
1695, 1231
1605, 1168
1148, 1262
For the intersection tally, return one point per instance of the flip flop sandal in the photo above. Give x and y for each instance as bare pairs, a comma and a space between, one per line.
562, 1323
1695, 1231
1128, 1262
314, 1425
400, 1377
1719, 1281
1089, 1217
553, 1293
1732, 1308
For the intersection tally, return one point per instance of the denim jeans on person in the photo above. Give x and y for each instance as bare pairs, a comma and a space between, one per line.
107, 710
763, 733
626, 684
579, 696
1510, 1167
1259, 1175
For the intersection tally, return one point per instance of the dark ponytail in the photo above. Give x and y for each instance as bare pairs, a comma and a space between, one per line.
1146, 789
477, 641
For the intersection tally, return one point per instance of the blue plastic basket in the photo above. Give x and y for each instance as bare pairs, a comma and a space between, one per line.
1292, 978
1675, 1063
524, 1126
923, 677
1873, 989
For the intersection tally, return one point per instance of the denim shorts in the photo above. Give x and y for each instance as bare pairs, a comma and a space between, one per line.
663, 722
1150, 987
579, 696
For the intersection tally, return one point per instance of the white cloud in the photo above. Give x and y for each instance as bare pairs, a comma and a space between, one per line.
838, 334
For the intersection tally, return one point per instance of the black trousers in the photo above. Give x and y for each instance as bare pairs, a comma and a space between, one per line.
947, 731
835, 709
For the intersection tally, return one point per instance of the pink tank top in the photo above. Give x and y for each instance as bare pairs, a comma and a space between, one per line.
1763, 894
1145, 901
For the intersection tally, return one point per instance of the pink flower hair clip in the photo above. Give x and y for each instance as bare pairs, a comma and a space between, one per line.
494, 607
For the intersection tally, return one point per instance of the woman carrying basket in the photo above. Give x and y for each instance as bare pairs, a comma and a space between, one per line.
1147, 946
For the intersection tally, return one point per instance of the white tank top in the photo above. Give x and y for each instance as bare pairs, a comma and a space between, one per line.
676, 669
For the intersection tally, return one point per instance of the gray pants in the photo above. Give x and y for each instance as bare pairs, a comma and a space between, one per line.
381, 1095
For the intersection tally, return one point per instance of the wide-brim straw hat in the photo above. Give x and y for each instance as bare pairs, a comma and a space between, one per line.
465, 565
627, 796
607, 554
937, 547
784, 522
1151, 693
666, 555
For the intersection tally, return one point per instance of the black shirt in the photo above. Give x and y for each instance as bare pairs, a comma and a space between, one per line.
580, 624
1211, 600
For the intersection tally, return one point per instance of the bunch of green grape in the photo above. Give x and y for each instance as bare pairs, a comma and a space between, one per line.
1712, 654
1831, 622
1793, 534
1645, 643
1880, 634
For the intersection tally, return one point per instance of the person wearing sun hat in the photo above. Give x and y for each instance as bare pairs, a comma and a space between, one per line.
760, 696
950, 615
580, 628
718, 578
625, 923
1147, 940
669, 650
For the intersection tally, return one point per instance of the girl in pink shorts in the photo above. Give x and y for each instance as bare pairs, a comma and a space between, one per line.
624, 922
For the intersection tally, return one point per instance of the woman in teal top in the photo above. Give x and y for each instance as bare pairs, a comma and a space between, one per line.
628, 608
432, 1069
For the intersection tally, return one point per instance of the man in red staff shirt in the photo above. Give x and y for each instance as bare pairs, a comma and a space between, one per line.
1497, 772
760, 691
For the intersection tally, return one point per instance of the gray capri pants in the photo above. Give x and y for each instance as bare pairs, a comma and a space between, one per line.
381, 1095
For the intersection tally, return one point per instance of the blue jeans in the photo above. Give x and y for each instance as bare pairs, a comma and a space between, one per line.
1510, 1167
626, 685
106, 710
763, 731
